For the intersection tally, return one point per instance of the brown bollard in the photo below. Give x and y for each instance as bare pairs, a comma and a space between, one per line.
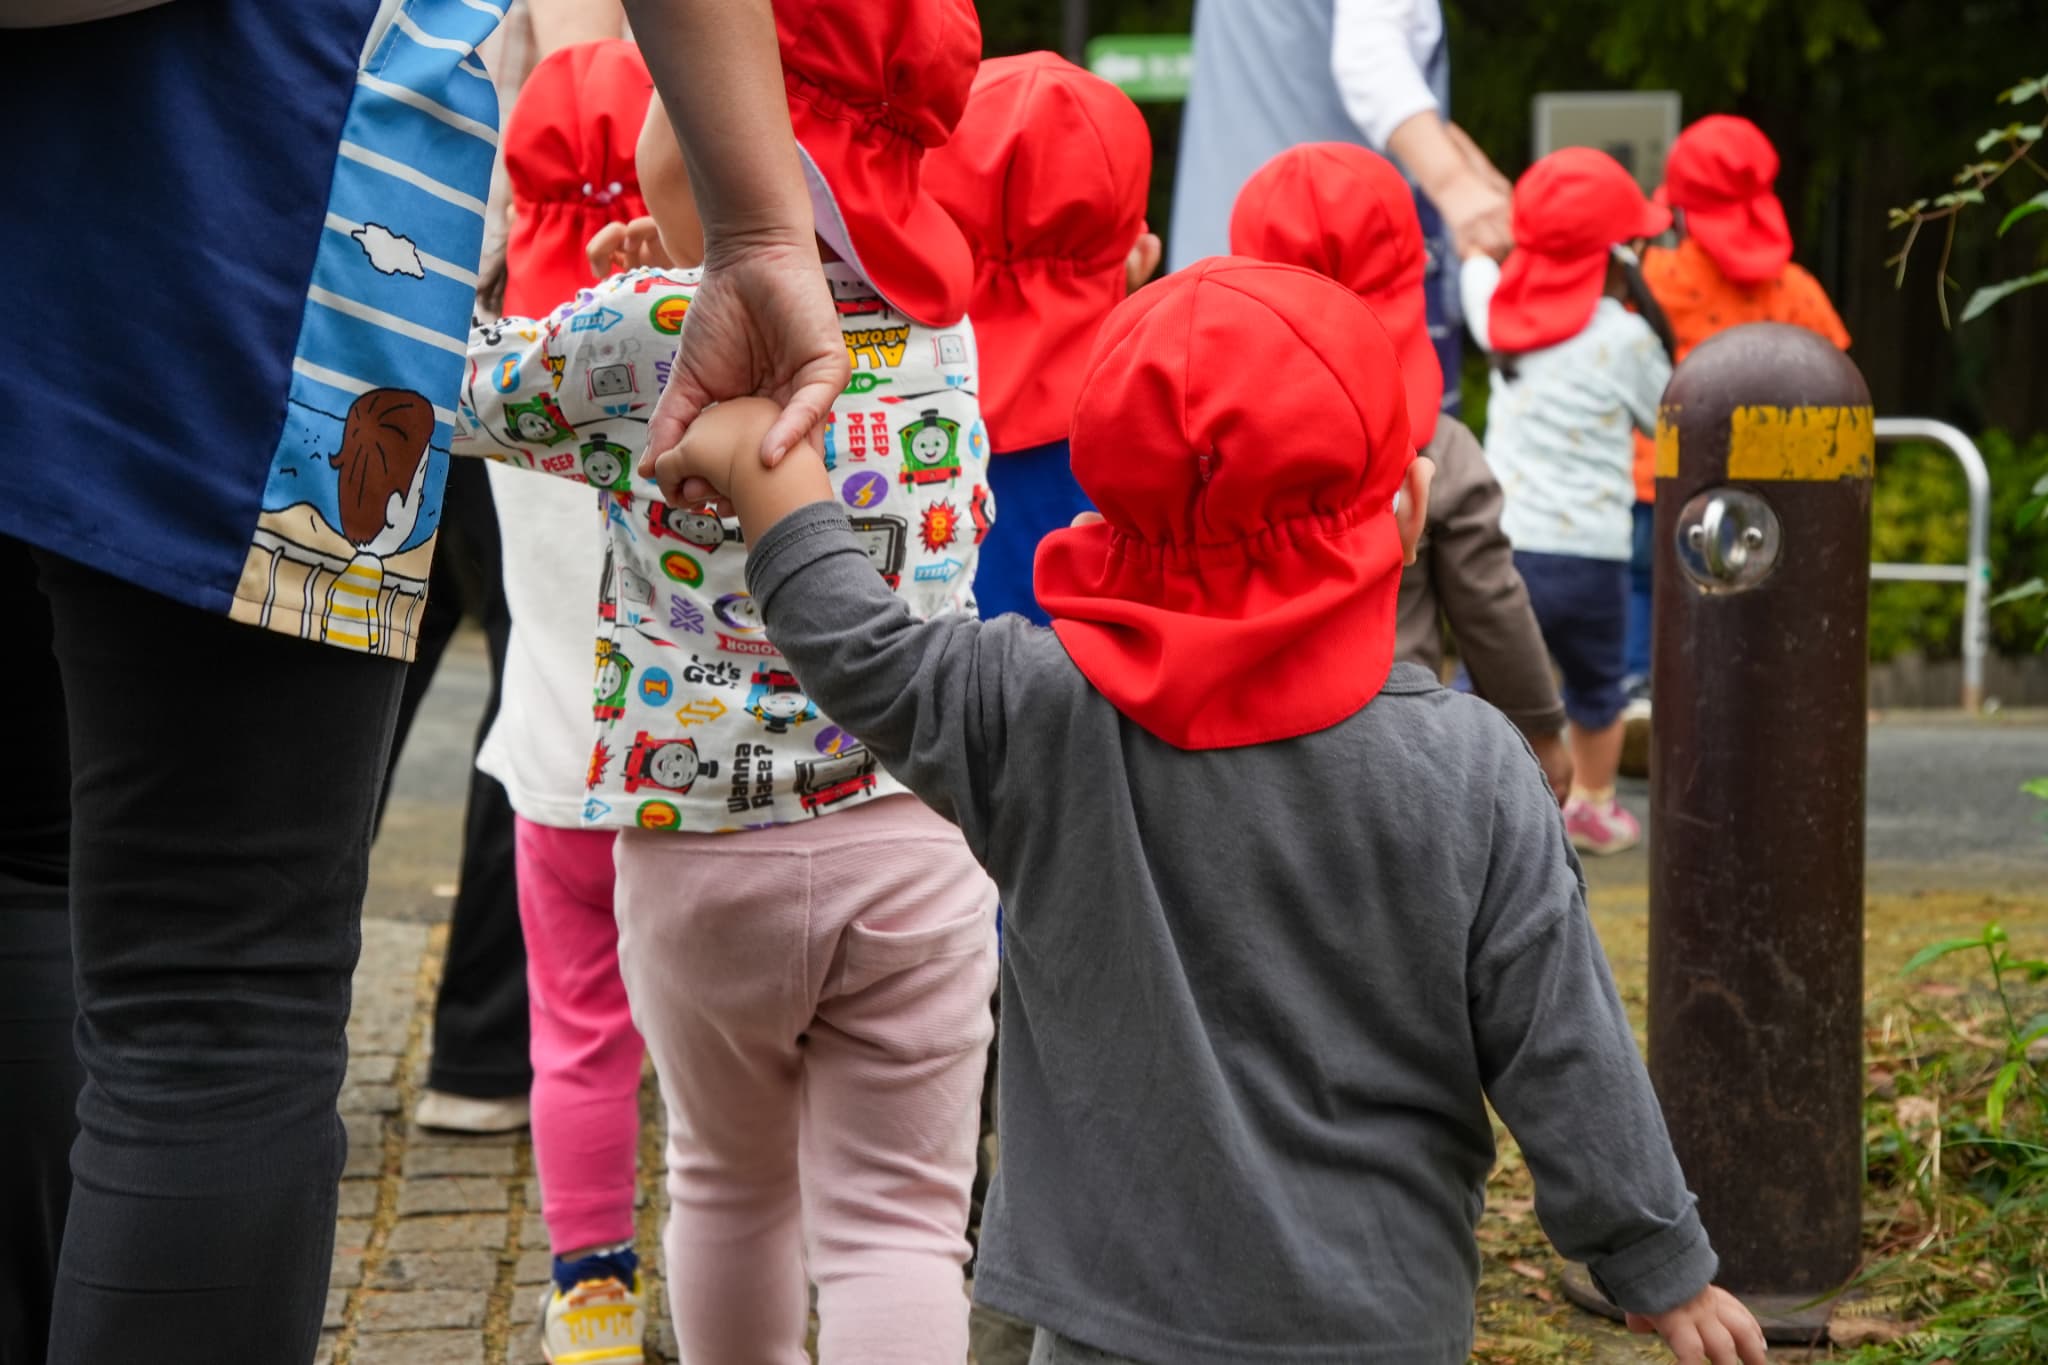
1764, 451
1760, 675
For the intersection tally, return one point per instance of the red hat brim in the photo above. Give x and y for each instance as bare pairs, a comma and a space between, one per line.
1749, 239
1219, 647
874, 209
1545, 298
1038, 325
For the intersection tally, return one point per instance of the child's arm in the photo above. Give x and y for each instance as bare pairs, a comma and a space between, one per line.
570, 394
1472, 567
1478, 277
926, 697
1561, 1066
1642, 371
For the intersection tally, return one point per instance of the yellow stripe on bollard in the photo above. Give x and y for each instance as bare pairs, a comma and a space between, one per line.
1805, 444
1667, 442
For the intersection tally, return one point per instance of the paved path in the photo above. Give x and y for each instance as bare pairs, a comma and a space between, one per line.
440, 1255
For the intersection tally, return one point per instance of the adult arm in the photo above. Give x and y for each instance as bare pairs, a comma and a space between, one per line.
763, 321
1483, 597
1373, 60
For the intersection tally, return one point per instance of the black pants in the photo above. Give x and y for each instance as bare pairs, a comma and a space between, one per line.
215, 785
480, 1021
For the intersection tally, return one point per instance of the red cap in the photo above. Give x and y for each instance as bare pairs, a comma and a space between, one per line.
569, 155
1242, 434
1570, 208
873, 85
1342, 211
1047, 175
1720, 171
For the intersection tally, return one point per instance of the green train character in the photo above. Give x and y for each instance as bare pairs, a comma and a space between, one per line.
538, 419
606, 464
931, 449
614, 673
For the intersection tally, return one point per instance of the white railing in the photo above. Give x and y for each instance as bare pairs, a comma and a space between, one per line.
1974, 573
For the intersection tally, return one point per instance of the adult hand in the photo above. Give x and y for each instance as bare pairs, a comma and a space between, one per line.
1475, 209
761, 322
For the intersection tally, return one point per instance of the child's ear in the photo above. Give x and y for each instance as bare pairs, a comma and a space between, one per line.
1143, 260
1411, 505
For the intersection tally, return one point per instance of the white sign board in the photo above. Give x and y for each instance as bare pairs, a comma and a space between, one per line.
1635, 127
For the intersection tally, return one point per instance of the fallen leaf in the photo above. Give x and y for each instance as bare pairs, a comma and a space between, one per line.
1850, 1332
1528, 1271
1916, 1111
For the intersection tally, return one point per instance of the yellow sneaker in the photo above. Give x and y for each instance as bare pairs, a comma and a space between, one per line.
597, 1321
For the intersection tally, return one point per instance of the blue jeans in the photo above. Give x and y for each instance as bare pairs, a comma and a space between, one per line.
1582, 608
1636, 661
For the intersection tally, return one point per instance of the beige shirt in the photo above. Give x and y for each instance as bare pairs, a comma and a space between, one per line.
1464, 574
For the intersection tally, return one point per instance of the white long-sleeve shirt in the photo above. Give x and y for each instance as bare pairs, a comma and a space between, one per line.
1380, 53
1273, 73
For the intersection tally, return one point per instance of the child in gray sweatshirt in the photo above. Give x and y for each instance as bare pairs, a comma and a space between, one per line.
1282, 915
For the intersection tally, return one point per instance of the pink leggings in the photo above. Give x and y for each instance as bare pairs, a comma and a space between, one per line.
816, 1000
586, 1053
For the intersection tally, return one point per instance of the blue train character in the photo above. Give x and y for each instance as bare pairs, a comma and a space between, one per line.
778, 701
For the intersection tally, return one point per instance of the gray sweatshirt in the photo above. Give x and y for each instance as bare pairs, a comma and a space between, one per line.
1254, 1000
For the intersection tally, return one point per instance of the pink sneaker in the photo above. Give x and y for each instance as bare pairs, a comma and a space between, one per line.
1600, 829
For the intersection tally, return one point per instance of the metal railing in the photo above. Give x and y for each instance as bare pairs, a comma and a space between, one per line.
1974, 573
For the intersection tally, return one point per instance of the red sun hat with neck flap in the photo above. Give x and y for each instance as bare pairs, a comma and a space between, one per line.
874, 85
1345, 212
1047, 175
569, 146
1243, 429
1720, 172
1570, 208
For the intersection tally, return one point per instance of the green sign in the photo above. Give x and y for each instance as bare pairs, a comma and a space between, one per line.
1145, 66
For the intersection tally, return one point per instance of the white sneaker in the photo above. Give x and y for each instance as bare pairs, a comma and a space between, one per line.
461, 1114
599, 1321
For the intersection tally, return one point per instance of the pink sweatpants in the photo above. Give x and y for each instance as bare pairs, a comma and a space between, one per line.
586, 1052
816, 1000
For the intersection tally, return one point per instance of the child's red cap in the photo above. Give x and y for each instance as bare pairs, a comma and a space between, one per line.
1345, 212
1720, 171
1243, 430
569, 146
1047, 175
873, 85
1570, 208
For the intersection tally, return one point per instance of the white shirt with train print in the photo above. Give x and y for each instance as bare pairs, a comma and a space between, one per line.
697, 723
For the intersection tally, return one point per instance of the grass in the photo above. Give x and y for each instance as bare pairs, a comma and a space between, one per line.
1956, 1215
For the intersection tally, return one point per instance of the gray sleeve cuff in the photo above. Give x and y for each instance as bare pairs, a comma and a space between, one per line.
802, 538
1661, 1271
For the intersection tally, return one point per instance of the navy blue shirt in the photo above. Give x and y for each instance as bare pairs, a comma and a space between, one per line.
242, 258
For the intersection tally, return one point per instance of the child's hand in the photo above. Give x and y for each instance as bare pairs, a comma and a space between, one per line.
626, 246
702, 464
1711, 1328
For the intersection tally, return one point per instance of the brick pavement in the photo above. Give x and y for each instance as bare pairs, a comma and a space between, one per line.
440, 1256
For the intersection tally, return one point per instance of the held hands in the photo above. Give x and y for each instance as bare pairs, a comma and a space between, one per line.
721, 451
761, 323
1711, 1328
